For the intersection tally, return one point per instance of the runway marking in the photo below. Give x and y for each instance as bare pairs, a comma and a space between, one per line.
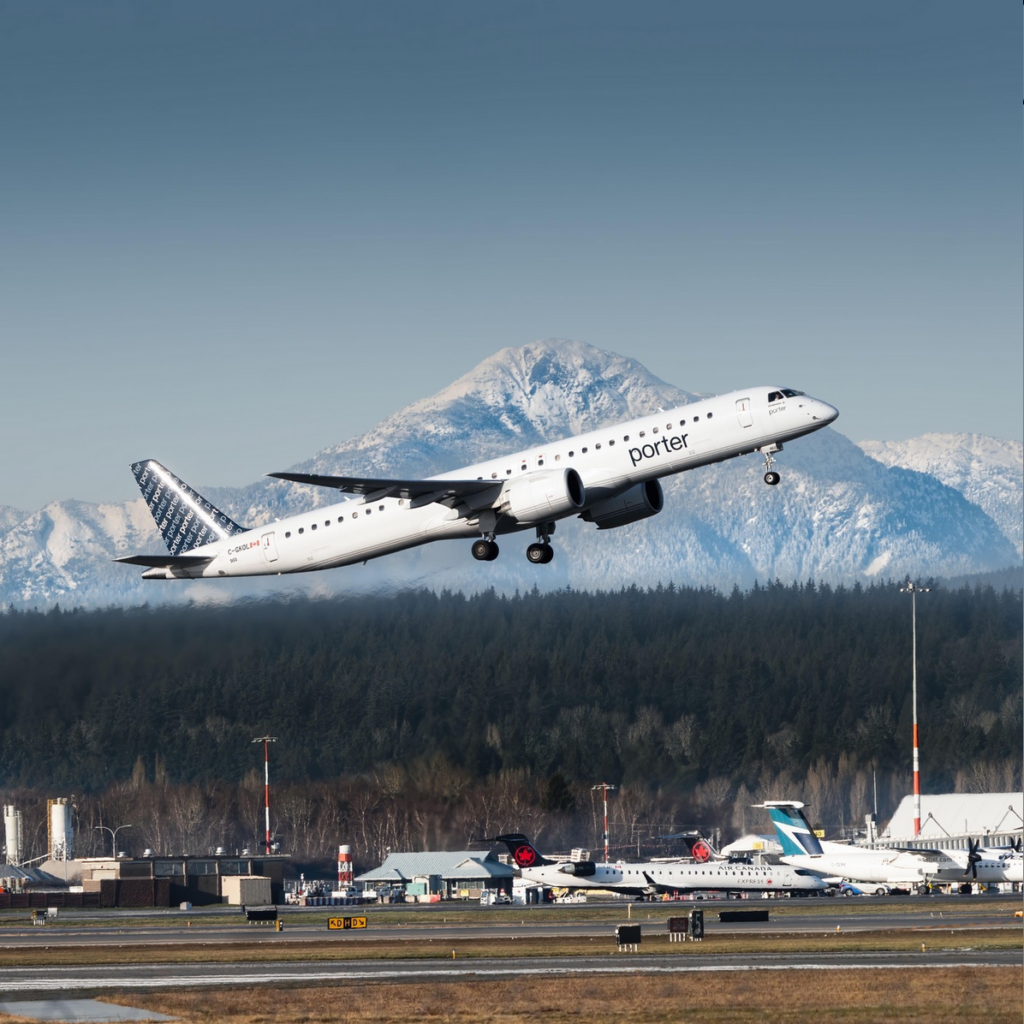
627, 966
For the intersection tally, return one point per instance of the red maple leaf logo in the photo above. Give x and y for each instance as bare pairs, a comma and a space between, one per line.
525, 856
701, 852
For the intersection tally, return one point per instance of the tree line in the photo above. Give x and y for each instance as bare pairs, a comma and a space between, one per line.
427, 719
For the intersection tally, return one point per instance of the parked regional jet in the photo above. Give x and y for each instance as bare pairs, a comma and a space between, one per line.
918, 867
608, 477
654, 877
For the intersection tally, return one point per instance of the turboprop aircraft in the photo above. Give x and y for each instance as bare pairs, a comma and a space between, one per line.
608, 477
884, 866
654, 877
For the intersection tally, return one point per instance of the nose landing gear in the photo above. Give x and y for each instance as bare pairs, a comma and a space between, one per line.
768, 451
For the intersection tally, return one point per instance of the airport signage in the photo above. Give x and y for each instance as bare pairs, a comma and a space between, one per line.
338, 923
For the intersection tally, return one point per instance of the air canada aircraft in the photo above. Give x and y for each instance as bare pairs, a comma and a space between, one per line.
885, 866
657, 877
608, 477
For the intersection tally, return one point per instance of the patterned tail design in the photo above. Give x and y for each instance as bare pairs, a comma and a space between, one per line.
185, 518
793, 829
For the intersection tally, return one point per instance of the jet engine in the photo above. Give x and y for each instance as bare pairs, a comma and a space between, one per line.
639, 502
548, 494
579, 869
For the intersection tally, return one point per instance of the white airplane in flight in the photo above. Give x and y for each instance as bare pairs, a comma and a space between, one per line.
884, 866
656, 877
608, 477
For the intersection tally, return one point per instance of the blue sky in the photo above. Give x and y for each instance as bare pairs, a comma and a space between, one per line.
234, 233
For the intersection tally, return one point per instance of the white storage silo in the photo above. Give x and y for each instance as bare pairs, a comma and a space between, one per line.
12, 832
61, 829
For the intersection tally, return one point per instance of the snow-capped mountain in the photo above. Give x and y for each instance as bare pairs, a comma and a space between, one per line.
987, 471
839, 514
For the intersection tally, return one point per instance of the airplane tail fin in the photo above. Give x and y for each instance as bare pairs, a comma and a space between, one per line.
524, 853
700, 849
792, 827
184, 517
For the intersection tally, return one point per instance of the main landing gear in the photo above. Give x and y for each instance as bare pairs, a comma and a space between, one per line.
485, 550
542, 552
768, 451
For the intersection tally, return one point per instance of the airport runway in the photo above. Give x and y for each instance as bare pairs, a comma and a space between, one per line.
464, 922
447, 924
46, 981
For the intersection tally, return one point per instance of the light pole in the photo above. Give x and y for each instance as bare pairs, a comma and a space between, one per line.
605, 787
113, 836
266, 741
913, 590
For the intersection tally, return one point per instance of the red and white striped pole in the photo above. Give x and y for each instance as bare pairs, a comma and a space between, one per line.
266, 741
913, 590
605, 787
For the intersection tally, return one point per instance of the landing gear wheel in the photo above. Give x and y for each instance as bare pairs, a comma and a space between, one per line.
485, 550
540, 554
772, 478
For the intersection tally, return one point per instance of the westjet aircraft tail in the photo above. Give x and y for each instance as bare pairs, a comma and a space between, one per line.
793, 829
184, 517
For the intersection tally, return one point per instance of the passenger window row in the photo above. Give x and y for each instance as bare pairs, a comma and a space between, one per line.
524, 467
327, 522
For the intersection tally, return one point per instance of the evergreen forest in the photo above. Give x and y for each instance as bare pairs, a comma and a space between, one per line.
426, 719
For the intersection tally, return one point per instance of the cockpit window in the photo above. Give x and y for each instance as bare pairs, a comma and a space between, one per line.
790, 393
778, 396
775, 396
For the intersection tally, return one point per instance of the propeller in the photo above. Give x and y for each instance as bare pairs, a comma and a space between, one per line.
973, 857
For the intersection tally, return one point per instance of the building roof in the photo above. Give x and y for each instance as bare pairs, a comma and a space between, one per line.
454, 865
949, 814
29, 876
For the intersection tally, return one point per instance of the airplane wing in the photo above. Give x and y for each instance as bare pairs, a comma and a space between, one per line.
421, 492
167, 561
656, 887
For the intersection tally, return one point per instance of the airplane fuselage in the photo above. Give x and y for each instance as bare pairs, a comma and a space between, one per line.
893, 866
660, 877
608, 463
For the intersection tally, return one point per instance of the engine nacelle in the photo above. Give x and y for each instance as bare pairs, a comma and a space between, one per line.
579, 869
639, 502
548, 494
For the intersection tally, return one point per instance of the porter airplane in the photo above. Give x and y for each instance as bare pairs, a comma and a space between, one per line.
657, 877
608, 477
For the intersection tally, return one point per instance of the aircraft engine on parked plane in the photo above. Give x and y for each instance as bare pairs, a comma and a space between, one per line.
639, 502
539, 497
579, 869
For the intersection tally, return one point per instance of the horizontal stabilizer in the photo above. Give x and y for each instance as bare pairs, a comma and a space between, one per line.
441, 490
166, 561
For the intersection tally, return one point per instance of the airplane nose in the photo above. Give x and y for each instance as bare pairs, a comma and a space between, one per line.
825, 412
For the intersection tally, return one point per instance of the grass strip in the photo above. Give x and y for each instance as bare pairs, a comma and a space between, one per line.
858, 996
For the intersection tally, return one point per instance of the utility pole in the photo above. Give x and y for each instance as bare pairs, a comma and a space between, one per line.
266, 741
604, 787
913, 590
